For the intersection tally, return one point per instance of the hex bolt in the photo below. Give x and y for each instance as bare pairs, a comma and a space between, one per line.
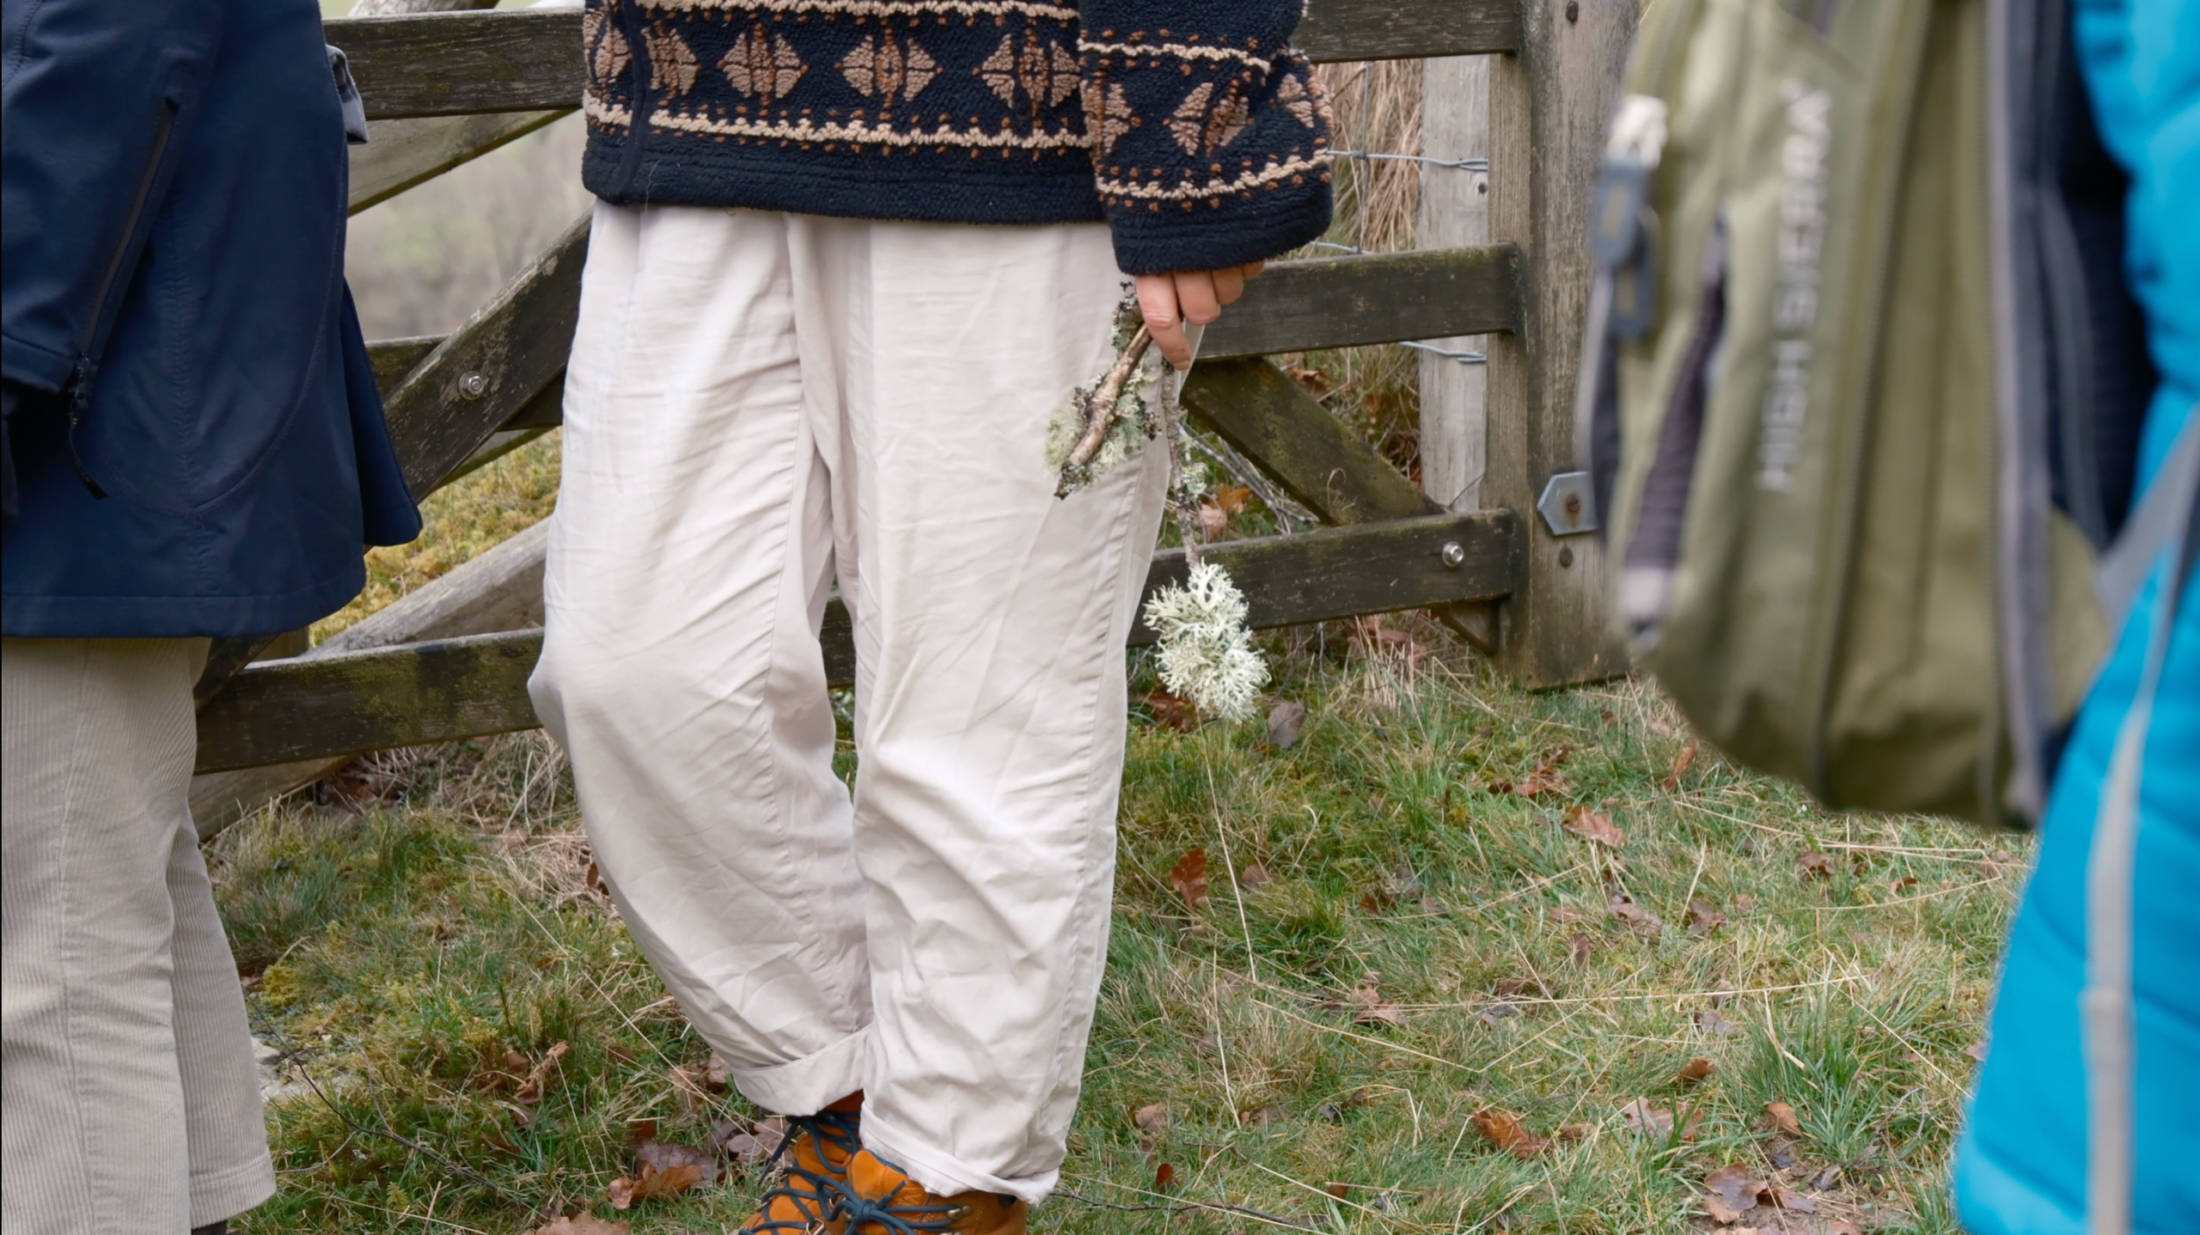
1454, 555
1566, 556
472, 385
1573, 507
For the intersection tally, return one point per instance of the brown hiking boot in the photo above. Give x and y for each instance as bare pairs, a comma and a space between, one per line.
883, 1200
815, 1156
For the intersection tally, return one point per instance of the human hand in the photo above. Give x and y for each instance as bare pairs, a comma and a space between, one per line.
1170, 300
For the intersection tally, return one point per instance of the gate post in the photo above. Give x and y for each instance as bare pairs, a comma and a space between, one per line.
1549, 105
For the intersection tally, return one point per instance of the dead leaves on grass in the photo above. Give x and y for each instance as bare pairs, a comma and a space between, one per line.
1594, 825
1735, 1191
1503, 1129
749, 1143
1545, 779
1189, 878
583, 1223
1367, 1005
1641, 920
1651, 1120
1783, 1118
661, 1169
1681, 764
1171, 710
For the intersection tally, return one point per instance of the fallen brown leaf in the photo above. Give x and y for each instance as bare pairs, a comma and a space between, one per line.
1812, 864
1695, 1070
1642, 920
1284, 722
1793, 1201
1580, 946
1573, 1132
664, 1156
1997, 864
1702, 919
1546, 778
1977, 1050
1733, 1192
1153, 1117
1163, 1176
1336, 1189
1212, 520
650, 1183
1645, 1118
582, 1223
1783, 1118
1171, 710
1232, 498
1189, 878
749, 1143
1502, 1129
1681, 763
1254, 876
1595, 825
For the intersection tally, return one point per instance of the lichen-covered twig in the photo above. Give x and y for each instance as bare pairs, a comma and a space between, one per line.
1100, 404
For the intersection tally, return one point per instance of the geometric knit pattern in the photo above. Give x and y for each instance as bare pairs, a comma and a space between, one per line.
1191, 126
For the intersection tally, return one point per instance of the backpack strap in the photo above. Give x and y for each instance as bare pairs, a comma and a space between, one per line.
2164, 531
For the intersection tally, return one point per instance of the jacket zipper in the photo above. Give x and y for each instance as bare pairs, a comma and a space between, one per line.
86, 368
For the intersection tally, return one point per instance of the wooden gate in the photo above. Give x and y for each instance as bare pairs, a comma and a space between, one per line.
1504, 576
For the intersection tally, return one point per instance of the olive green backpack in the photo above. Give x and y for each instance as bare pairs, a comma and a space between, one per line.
1862, 389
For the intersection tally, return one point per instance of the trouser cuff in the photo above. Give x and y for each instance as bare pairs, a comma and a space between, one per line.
942, 1173
222, 1196
807, 1085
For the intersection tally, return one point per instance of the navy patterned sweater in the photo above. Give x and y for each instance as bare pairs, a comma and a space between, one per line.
1191, 126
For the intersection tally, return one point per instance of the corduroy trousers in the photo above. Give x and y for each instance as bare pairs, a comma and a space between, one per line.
132, 1100
759, 404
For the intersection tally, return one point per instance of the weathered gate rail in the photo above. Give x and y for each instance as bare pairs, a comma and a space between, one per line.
1388, 547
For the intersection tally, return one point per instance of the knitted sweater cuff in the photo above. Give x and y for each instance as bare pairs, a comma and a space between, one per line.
1166, 242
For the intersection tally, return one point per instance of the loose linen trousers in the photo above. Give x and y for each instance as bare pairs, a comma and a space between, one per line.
758, 404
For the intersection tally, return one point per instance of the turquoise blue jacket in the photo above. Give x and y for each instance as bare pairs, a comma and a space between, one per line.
2021, 1164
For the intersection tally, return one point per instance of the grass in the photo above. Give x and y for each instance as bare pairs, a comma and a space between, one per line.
421, 953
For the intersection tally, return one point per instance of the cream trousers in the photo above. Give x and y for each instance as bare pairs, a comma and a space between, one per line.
132, 1100
759, 404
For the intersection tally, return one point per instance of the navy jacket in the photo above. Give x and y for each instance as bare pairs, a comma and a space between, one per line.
175, 332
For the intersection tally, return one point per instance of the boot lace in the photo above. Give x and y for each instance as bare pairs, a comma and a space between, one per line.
816, 1195
881, 1217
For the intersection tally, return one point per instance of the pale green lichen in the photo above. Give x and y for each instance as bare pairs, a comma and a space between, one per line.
1206, 653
